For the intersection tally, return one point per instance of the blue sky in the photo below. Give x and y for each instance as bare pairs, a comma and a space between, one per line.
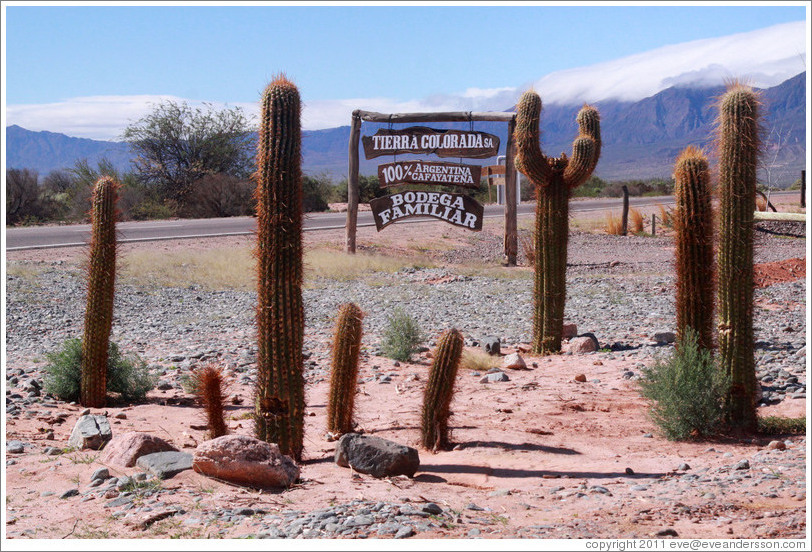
411, 53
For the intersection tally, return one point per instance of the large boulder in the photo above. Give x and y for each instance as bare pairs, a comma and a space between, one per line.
125, 449
90, 432
246, 461
375, 456
586, 343
514, 361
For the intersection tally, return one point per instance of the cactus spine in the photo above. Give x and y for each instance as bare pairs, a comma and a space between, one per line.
553, 179
279, 399
440, 390
210, 388
693, 225
738, 148
346, 350
100, 293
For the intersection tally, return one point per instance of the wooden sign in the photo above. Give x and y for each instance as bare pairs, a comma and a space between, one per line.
457, 209
444, 143
429, 172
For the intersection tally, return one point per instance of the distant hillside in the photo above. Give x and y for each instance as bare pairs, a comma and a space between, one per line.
640, 139
46, 151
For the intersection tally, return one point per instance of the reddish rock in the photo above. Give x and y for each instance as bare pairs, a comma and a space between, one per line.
570, 330
514, 361
125, 449
582, 345
580, 378
245, 461
777, 445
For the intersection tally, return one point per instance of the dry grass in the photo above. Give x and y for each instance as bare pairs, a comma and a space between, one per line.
477, 360
635, 221
614, 224
234, 268
666, 217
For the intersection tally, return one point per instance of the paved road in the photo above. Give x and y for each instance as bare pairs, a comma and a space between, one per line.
41, 237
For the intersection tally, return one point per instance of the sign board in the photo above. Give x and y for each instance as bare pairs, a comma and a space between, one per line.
429, 172
443, 143
457, 209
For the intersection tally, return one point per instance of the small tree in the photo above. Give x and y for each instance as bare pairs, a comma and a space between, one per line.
176, 145
22, 195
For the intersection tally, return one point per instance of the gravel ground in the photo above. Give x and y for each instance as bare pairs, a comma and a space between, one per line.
619, 289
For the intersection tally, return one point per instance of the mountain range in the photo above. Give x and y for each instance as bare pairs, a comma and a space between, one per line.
641, 139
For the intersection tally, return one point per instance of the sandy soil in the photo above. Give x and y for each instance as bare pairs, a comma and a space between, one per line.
514, 443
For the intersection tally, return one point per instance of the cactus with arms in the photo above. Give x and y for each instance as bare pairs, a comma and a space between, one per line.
100, 293
693, 226
440, 390
346, 350
279, 398
738, 148
553, 178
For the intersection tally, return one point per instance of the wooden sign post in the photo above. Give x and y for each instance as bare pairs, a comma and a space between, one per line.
444, 143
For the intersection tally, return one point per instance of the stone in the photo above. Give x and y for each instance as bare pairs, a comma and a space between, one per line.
514, 361
246, 461
581, 378
165, 465
582, 345
777, 445
492, 345
742, 465
495, 377
69, 493
90, 432
123, 450
569, 331
375, 456
664, 337
15, 447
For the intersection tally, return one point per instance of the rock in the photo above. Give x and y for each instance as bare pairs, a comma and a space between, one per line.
246, 461
569, 331
164, 465
15, 447
492, 345
666, 533
90, 432
582, 345
514, 361
404, 532
495, 377
777, 445
126, 448
664, 337
683, 467
432, 508
581, 378
742, 465
375, 456
101, 473
69, 493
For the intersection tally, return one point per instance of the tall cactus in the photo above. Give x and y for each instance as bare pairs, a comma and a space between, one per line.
440, 390
210, 388
100, 293
738, 146
279, 400
693, 225
346, 351
553, 179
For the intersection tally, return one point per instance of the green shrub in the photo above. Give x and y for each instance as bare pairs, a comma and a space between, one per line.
127, 375
686, 390
777, 425
401, 337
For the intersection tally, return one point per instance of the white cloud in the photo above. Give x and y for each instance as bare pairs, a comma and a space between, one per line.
761, 58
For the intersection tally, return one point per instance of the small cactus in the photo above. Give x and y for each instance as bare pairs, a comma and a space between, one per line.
553, 179
346, 351
210, 388
100, 293
279, 398
738, 148
440, 390
693, 226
